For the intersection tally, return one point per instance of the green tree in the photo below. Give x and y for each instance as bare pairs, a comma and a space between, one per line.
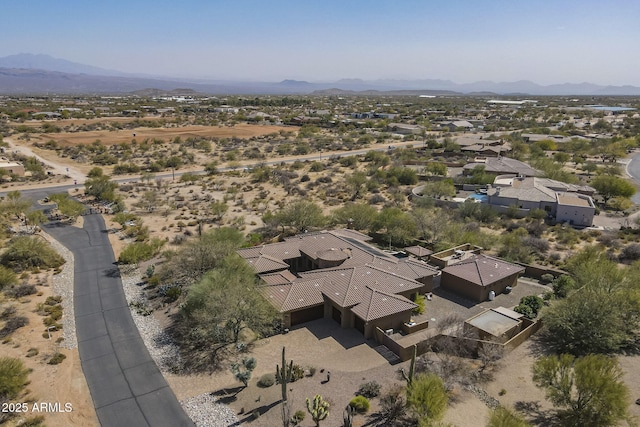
95, 172
68, 206
588, 391
436, 168
427, 398
301, 215
357, 184
612, 186
400, 229
439, 189
200, 255
101, 187
502, 417
217, 309
35, 218
218, 209
14, 204
360, 215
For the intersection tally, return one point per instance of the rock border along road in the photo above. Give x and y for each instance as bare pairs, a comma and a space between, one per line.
126, 386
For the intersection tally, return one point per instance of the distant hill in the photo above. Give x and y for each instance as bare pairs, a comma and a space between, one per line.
37, 74
30, 61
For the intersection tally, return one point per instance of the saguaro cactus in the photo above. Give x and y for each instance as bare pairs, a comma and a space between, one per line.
284, 375
347, 416
409, 378
318, 408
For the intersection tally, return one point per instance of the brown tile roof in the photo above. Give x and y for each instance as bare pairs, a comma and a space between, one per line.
368, 278
294, 296
483, 270
347, 286
418, 251
377, 304
265, 263
407, 267
278, 278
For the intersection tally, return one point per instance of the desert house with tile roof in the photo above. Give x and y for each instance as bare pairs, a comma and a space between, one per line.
478, 275
563, 202
338, 275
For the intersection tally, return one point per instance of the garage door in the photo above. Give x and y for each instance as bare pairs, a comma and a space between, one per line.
307, 314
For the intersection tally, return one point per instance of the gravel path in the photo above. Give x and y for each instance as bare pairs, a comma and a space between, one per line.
63, 286
204, 410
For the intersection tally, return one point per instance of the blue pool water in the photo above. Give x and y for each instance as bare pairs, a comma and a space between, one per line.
483, 198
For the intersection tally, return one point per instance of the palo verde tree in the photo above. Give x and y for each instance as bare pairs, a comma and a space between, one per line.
427, 398
589, 392
217, 310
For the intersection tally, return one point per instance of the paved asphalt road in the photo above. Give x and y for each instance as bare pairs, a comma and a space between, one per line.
126, 386
633, 169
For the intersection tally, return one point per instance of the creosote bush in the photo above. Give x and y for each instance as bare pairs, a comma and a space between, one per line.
267, 380
360, 404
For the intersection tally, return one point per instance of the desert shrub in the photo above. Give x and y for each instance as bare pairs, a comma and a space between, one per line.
7, 312
170, 292
419, 300
27, 252
54, 311
21, 291
631, 252
37, 421
13, 324
360, 404
13, 377
546, 278
53, 300
369, 389
312, 371
56, 359
7, 277
32, 352
562, 285
529, 306
140, 251
393, 404
297, 373
298, 417
267, 380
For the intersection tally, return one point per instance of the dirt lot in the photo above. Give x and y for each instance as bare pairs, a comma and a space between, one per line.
111, 137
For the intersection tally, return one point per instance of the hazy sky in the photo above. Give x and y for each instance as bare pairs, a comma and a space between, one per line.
545, 41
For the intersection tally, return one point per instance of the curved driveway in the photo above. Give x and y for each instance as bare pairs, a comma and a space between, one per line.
126, 386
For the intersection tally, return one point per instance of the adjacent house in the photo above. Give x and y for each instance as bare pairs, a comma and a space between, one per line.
502, 165
479, 275
338, 275
564, 202
11, 168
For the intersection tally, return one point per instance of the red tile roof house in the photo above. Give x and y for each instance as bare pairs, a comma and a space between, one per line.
475, 277
337, 274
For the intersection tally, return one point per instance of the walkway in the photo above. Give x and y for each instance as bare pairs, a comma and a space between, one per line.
126, 386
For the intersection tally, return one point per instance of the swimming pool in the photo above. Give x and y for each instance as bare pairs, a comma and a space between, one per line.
482, 198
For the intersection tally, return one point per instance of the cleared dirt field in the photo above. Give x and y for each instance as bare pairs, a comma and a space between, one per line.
111, 137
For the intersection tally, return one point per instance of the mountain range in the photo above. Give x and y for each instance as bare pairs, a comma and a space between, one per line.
42, 74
